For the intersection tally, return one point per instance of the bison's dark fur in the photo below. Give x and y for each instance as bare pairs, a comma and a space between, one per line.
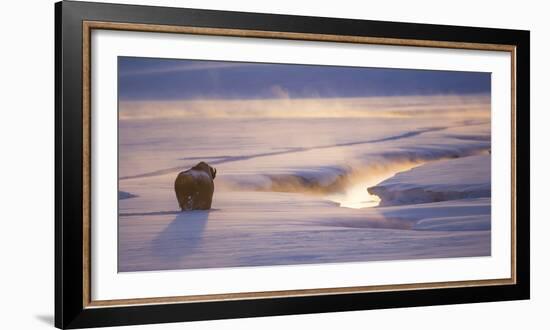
195, 187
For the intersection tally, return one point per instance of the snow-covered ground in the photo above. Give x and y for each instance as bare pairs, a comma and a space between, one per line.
294, 190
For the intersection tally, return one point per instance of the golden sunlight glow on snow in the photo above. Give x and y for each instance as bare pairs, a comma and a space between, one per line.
357, 196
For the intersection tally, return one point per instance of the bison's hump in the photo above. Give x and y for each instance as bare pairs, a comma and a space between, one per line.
192, 175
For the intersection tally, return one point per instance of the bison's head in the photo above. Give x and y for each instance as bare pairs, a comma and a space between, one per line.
202, 166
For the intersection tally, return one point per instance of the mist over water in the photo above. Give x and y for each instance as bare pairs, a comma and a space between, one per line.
450, 106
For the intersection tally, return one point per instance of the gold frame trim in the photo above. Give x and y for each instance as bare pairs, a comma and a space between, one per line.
88, 26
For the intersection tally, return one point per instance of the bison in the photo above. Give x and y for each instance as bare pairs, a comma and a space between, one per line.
195, 187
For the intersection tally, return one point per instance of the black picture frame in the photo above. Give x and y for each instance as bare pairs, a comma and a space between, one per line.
70, 180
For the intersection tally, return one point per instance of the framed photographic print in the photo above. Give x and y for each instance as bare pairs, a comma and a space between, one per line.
216, 164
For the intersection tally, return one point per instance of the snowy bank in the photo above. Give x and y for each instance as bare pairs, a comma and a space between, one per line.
467, 177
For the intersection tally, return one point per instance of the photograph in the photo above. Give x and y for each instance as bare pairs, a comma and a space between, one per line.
243, 164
